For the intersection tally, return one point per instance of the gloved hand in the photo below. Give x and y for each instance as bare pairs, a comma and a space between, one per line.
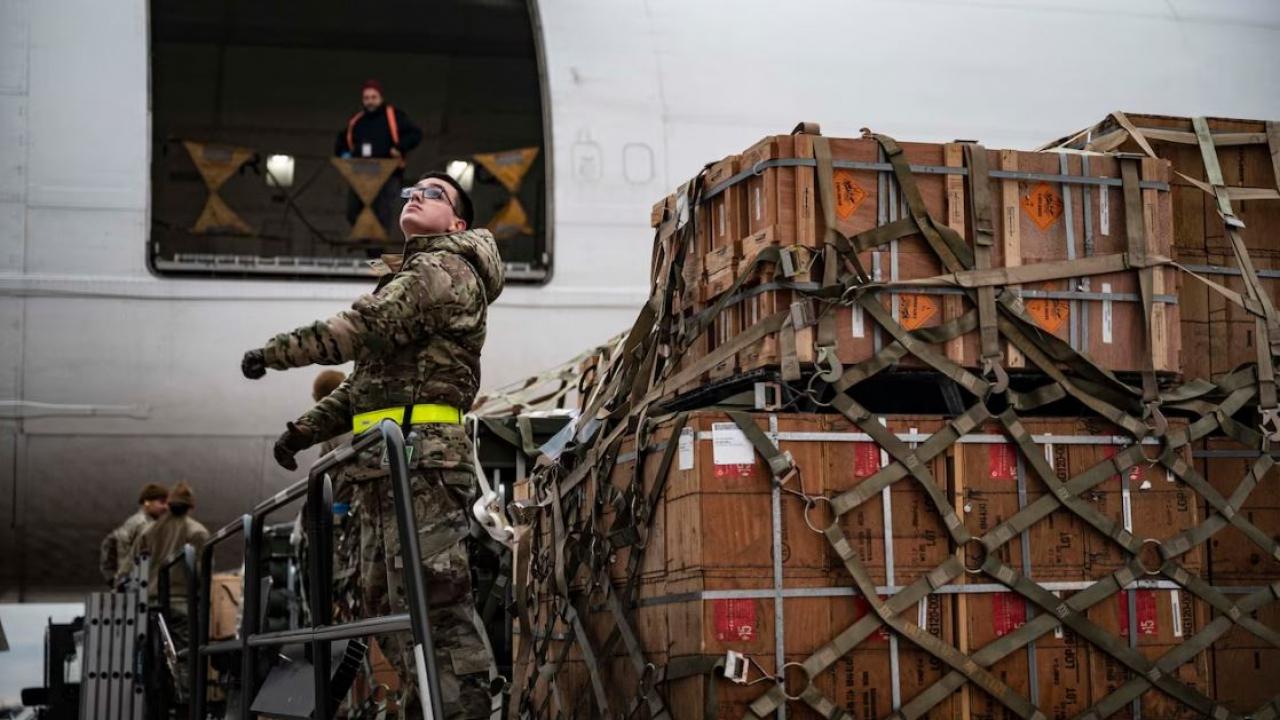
293, 440
253, 364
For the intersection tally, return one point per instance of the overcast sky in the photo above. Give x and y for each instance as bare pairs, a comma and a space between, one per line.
23, 665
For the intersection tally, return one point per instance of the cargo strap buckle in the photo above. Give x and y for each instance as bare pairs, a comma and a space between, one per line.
1270, 425
991, 368
828, 364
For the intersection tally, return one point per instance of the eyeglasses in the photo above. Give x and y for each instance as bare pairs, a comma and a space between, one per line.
429, 192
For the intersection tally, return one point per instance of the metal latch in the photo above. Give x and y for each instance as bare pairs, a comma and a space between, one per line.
768, 396
735, 667
802, 314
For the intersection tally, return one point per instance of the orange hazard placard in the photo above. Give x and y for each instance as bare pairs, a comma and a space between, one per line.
1049, 314
915, 310
849, 195
1043, 205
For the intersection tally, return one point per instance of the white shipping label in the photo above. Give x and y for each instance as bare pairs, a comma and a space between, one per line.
922, 616
730, 446
366, 149
686, 448
759, 204
1175, 607
1104, 211
859, 322
1106, 314
720, 215
1057, 629
1126, 507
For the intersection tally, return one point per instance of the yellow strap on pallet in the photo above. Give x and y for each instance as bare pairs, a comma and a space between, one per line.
421, 415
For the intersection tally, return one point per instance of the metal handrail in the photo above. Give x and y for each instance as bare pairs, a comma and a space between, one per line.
186, 555
318, 491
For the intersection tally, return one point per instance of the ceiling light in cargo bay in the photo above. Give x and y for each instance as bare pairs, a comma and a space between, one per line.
279, 171
462, 171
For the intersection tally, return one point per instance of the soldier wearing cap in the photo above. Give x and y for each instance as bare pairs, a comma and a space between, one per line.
152, 503
416, 343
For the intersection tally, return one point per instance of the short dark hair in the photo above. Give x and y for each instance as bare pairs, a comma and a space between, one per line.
464, 209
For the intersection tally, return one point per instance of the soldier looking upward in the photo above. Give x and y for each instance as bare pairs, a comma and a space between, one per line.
416, 343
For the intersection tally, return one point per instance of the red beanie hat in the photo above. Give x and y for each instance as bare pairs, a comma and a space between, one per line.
371, 83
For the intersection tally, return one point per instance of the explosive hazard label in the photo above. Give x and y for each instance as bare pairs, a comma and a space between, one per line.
735, 619
1043, 205
1002, 462
849, 195
1049, 314
1008, 613
915, 310
866, 459
1145, 603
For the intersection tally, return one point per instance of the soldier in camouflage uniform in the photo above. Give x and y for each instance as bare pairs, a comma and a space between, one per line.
416, 344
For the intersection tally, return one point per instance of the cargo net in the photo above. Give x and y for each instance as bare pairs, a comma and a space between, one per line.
590, 511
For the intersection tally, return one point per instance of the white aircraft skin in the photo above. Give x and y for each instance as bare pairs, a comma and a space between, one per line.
111, 376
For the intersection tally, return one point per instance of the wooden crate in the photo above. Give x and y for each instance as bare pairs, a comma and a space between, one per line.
1052, 225
722, 219
1234, 559
1216, 338
706, 584
1036, 219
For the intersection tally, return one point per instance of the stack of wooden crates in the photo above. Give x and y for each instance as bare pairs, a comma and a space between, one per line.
735, 563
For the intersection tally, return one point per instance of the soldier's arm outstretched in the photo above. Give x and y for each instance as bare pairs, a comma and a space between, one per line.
427, 294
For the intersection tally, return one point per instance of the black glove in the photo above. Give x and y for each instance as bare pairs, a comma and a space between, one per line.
253, 365
293, 440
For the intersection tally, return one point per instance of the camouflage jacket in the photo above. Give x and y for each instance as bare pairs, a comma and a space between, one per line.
415, 339
115, 546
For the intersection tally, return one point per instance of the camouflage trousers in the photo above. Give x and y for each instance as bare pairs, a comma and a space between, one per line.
464, 660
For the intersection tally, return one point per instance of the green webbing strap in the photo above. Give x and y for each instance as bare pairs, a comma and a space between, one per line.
1273, 144
1035, 627
769, 254
825, 175
781, 466
946, 242
901, 453
937, 444
892, 352
715, 357
691, 665
571, 612
983, 240
1268, 325
1180, 655
1123, 121
883, 234
1224, 511
852, 636
958, 661
962, 377
1136, 250
1033, 353
648, 689
1059, 493
1153, 673
1038, 272
636, 556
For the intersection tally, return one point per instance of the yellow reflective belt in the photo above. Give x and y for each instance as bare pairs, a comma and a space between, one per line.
421, 415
